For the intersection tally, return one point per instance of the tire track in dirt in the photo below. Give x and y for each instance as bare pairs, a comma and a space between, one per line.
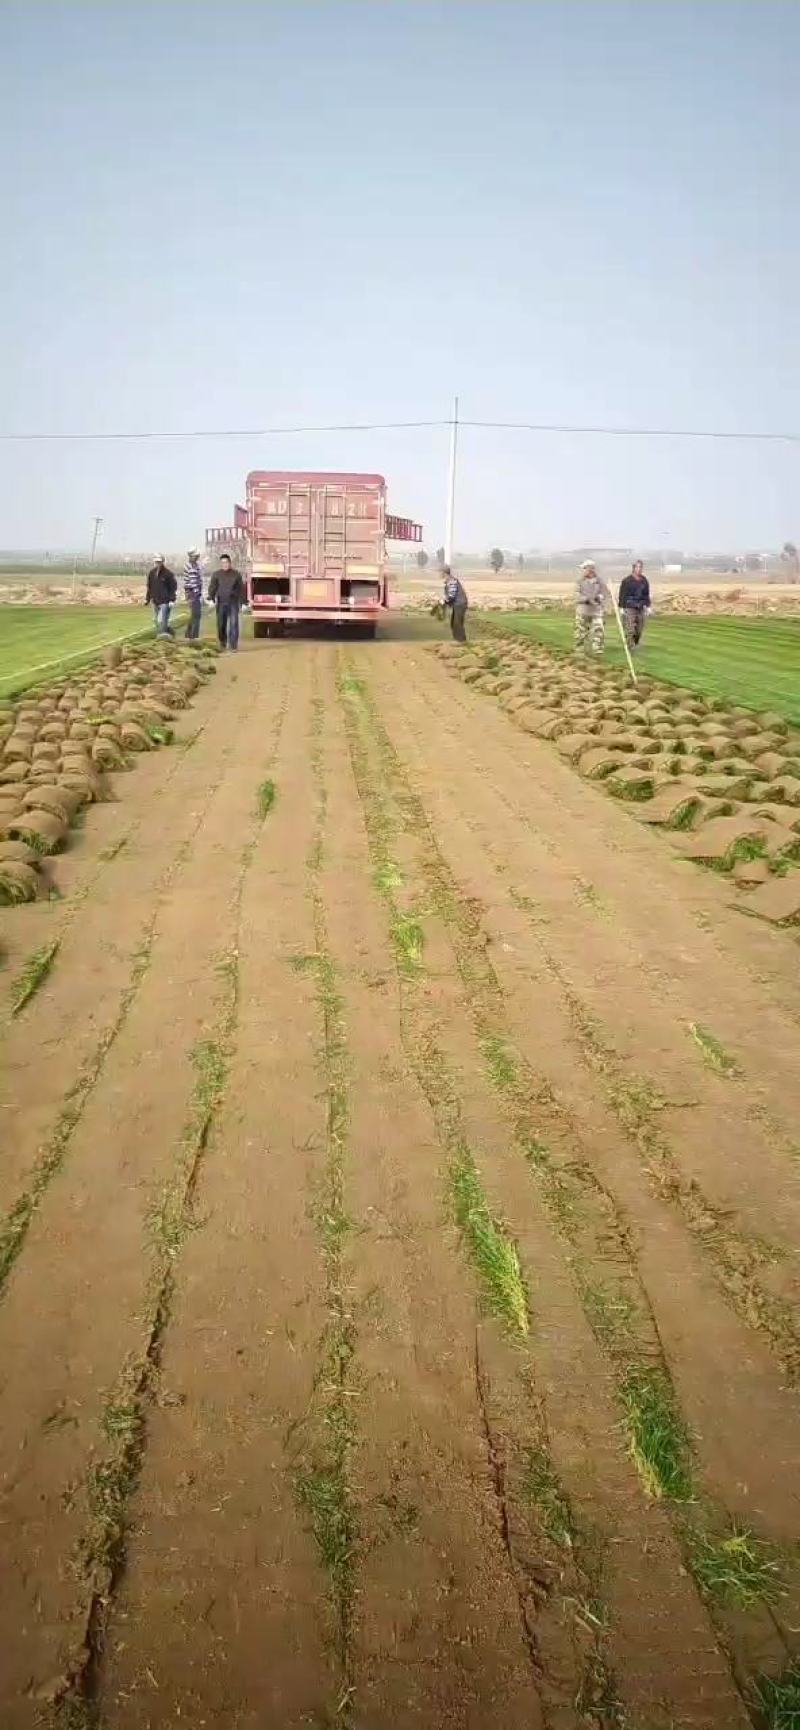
85, 1302
221, 1616
729, 1202
658, 1640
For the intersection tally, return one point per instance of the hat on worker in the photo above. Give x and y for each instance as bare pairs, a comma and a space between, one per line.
588, 565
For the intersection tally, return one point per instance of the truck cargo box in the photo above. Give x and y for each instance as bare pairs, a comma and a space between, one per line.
314, 547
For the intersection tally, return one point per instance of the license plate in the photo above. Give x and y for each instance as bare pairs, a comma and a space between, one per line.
315, 591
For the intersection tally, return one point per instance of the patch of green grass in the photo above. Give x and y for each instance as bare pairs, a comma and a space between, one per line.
111, 1481
739, 1569
748, 847
751, 662
266, 798
598, 1701
160, 732
500, 1062
658, 1441
779, 1699
33, 975
39, 643
322, 1494
408, 938
351, 686
714, 1054
388, 878
540, 1486
492, 1251
684, 817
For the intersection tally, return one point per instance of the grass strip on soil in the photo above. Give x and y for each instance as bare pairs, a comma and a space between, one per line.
113, 1479
735, 1258
778, 1699
33, 975
15, 1226
582, 1211
327, 1435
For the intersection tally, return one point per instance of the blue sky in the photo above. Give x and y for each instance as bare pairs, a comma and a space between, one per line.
276, 213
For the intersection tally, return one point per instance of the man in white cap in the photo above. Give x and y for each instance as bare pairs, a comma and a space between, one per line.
590, 603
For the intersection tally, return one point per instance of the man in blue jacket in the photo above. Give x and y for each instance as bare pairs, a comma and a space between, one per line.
455, 597
634, 603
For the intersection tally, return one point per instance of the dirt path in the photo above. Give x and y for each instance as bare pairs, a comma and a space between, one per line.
395, 1313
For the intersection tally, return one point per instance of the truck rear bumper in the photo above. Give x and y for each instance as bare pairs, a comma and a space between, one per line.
318, 615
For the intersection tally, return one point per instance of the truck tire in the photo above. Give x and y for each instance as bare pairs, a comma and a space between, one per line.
260, 629
369, 631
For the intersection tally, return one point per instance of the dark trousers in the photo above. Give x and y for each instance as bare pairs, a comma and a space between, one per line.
633, 620
228, 624
458, 615
195, 615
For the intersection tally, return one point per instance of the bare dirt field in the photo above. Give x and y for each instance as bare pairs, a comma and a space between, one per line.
398, 1261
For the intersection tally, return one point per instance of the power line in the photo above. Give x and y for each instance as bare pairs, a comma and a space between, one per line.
218, 432
638, 432
561, 428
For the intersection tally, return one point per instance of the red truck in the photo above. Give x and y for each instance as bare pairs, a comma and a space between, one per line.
313, 546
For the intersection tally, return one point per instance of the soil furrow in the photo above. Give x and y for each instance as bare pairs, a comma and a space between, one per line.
756, 1276
437, 1636
102, 959
745, 1417
77, 1307
113, 1477
700, 1689
220, 1618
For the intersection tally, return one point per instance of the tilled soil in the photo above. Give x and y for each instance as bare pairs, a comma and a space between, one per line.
398, 1313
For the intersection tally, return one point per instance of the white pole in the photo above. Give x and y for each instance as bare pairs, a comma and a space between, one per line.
451, 496
98, 523
623, 637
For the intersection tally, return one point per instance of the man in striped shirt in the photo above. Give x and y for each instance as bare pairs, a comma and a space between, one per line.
193, 590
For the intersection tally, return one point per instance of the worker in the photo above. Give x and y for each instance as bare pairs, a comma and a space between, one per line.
590, 603
193, 591
161, 592
226, 589
634, 604
455, 597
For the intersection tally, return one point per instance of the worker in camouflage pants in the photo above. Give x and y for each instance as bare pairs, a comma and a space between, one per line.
590, 601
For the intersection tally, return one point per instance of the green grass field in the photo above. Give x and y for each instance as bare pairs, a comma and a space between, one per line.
36, 643
754, 662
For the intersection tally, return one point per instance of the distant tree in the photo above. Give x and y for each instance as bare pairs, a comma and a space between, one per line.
790, 558
521, 562
496, 559
422, 558
440, 555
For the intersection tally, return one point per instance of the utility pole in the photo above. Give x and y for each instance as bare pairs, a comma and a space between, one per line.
98, 524
451, 496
